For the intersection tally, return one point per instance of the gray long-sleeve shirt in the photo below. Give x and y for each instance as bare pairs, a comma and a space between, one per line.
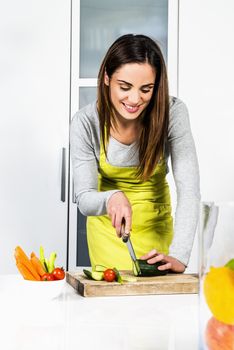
85, 153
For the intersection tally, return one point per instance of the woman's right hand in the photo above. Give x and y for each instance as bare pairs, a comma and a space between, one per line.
119, 210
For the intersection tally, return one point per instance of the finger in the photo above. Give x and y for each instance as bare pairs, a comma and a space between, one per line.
149, 255
155, 259
122, 229
166, 266
118, 224
113, 215
128, 223
124, 235
118, 232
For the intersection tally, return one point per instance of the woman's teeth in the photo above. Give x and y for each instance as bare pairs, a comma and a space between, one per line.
131, 109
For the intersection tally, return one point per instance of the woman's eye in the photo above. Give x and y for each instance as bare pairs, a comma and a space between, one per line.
144, 91
124, 88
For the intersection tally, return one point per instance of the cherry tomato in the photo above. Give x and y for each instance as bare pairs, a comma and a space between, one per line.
48, 277
109, 275
59, 273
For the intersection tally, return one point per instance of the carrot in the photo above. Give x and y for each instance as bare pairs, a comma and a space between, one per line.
37, 265
25, 272
22, 258
20, 252
33, 254
16, 258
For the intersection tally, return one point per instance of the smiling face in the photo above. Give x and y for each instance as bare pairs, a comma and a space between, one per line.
131, 88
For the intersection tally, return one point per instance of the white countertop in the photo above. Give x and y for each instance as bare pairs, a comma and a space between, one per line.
72, 322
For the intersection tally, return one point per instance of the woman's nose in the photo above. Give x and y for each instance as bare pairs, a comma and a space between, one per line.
134, 97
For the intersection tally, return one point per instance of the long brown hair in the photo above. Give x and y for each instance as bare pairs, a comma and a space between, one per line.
132, 48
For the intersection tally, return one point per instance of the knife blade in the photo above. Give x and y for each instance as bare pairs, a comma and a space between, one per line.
126, 239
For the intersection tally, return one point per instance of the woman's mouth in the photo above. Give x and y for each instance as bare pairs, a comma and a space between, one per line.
131, 109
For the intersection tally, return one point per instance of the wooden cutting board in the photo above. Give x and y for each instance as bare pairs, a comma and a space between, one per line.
168, 284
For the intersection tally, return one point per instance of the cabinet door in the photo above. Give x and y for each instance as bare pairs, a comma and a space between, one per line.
100, 23
34, 89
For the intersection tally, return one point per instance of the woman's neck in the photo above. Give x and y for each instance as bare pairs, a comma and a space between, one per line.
126, 131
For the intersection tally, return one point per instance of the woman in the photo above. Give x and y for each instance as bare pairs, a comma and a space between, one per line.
120, 145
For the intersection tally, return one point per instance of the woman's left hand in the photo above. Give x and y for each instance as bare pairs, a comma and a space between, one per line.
170, 263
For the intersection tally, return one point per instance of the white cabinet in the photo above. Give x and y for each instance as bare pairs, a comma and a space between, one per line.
34, 90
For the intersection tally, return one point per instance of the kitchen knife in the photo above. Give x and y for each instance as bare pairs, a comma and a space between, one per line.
126, 239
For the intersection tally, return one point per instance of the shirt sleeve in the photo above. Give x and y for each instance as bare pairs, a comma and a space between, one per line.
89, 200
186, 175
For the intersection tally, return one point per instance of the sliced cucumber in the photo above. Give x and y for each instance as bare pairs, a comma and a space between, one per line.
118, 277
88, 274
129, 279
93, 275
100, 268
147, 270
97, 276
134, 269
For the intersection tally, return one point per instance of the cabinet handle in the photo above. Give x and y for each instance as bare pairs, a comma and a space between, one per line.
73, 192
63, 175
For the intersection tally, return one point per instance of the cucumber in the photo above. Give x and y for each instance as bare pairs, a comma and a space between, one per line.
100, 268
134, 269
88, 274
129, 279
147, 270
118, 277
51, 262
93, 275
230, 264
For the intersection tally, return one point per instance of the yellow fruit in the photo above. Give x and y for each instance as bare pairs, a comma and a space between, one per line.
219, 293
219, 335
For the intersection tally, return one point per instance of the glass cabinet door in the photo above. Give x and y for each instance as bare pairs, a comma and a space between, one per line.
100, 23
103, 21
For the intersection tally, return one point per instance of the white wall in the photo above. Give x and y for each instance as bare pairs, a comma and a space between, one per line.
206, 85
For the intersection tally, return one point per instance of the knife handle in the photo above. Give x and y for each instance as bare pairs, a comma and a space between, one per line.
125, 238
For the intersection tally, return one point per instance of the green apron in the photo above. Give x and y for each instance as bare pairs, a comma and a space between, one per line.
152, 223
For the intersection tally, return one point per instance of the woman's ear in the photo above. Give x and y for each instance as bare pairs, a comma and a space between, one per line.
106, 79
